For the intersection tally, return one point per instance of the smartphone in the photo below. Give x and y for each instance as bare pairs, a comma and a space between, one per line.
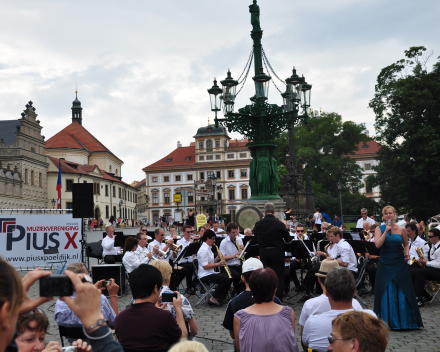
105, 283
56, 285
168, 297
70, 349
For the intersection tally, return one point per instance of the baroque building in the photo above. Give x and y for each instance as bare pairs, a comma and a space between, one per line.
212, 153
84, 159
23, 164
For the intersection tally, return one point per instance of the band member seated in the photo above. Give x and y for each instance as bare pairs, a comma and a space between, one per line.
231, 248
170, 254
364, 218
295, 264
173, 234
131, 259
206, 272
247, 232
109, 251
431, 270
216, 229
415, 242
186, 262
345, 256
142, 249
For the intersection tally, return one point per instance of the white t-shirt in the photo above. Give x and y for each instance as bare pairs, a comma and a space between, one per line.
318, 218
318, 327
319, 305
360, 223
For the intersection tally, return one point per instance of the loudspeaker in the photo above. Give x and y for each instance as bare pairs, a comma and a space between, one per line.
82, 200
110, 271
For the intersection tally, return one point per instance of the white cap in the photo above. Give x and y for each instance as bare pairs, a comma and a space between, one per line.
252, 264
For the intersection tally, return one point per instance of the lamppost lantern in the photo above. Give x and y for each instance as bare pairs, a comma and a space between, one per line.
261, 85
220, 188
213, 180
339, 185
53, 203
215, 95
229, 88
307, 92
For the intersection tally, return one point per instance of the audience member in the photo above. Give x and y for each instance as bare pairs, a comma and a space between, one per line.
340, 288
188, 313
109, 251
188, 346
358, 332
159, 327
265, 325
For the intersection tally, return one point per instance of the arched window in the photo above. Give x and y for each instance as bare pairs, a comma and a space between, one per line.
110, 169
116, 171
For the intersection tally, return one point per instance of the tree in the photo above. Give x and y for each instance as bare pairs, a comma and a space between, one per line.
407, 108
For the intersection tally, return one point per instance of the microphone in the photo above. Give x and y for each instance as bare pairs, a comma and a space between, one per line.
389, 223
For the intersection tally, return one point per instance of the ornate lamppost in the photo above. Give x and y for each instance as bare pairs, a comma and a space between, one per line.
213, 179
340, 200
261, 122
220, 188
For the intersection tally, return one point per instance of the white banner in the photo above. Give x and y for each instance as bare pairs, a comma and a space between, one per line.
24, 236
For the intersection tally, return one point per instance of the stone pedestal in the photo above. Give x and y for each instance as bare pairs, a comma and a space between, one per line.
280, 206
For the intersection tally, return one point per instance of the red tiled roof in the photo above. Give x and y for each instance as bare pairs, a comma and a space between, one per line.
178, 157
75, 136
373, 148
74, 168
140, 183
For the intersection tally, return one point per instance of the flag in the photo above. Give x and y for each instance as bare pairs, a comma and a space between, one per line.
59, 186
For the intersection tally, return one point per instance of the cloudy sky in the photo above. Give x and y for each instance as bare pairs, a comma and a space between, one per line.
142, 67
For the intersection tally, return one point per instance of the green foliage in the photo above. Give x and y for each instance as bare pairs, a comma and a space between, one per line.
282, 149
407, 108
351, 204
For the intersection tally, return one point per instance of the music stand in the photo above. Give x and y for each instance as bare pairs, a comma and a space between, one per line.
358, 246
347, 235
371, 248
300, 252
315, 237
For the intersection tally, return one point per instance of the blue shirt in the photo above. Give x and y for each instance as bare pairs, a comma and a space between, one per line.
337, 223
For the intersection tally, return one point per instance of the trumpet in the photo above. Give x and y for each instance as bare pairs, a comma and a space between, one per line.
228, 271
177, 248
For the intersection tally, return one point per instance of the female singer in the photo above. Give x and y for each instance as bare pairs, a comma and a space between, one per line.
394, 297
207, 263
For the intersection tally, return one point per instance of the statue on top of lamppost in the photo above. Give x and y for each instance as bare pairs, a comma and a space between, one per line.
261, 122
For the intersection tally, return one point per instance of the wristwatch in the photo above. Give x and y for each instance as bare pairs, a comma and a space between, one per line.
99, 323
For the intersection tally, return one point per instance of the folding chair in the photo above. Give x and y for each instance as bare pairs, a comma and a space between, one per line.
208, 288
429, 287
53, 251
361, 274
73, 332
94, 250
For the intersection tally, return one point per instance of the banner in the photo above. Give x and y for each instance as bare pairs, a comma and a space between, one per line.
200, 221
24, 236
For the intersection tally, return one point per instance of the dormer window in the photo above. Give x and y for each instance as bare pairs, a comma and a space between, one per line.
209, 129
170, 160
365, 146
187, 158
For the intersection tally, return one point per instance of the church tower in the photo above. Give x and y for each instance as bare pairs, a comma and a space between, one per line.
77, 110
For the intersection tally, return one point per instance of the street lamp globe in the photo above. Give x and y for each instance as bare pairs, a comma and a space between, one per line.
339, 186
229, 87
215, 95
261, 85
220, 188
307, 92
213, 180
53, 203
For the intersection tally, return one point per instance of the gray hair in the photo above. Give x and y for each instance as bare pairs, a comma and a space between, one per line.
340, 284
364, 209
325, 223
247, 230
269, 208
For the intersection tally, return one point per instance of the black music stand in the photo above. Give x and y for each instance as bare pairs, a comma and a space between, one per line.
358, 246
347, 235
300, 252
253, 249
371, 248
315, 237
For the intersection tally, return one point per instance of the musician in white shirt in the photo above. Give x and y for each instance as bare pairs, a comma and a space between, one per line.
364, 218
109, 251
159, 234
206, 272
231, 248
142, 249
186, 262
218, 231
432, 270
173, 235
415, 242
131, 259
345, 256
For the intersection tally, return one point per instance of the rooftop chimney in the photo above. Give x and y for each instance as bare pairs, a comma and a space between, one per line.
179, 145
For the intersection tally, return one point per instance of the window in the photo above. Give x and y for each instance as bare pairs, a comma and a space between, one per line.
69, 186
217, 144
40, 179
33, 149
231, 174
178, 177
367, 166
210, 174
167, 198
201, 158
232, 194
84, 181
202, 175
114, 192
219, 196
209, 129
106, 211
170, 160
166, 179
32, 178
155, 198
217, 157
187, 158
69, 205
26, 176
218, 174
209, 157
243, 173
202, 198
96, 189
365, 146
114, 210
190, 197
154, 179
120, 192
230, 156
208, 144
106, 191
189, 177
200, 145
116, 172
368, 188
244, 193
243, 155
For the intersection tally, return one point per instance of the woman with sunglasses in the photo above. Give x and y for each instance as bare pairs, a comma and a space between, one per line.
353, 331
207, 264
394, 296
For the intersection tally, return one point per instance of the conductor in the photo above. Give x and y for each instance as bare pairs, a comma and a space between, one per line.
272, 234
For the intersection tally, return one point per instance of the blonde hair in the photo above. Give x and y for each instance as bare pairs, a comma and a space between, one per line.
189, 346
77, 268
164, 268
11, 288
385, 209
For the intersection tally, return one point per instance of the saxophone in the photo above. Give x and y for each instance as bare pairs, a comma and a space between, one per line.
228, 271
240, 250
421, 255
325, 249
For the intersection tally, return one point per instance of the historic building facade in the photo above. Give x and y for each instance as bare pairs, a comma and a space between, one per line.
84, 159
212, 153
23, 164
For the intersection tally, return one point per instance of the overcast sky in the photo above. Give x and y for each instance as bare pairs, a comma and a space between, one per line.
143, 67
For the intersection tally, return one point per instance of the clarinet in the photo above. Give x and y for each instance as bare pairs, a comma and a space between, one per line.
228, 271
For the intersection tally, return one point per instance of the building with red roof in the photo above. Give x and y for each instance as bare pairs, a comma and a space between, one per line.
191, 168
84, 159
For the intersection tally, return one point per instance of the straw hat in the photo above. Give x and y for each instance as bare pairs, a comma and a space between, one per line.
326, 266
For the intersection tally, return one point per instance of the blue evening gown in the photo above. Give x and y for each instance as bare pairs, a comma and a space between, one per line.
394, 296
